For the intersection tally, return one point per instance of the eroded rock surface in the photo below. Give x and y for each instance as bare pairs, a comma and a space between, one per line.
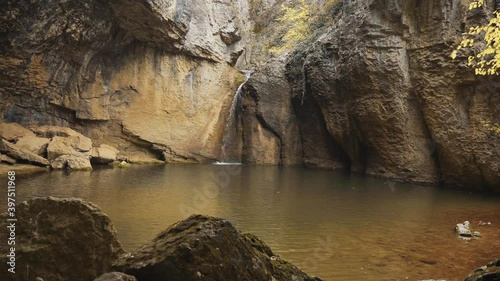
206, 248
60, 240
132, 74
393, 102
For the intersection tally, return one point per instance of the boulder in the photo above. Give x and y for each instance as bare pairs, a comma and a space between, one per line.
21, 154
464, 230
71, 145
72, 162
104, 154
207, 248
13, 131
59, 240
115, 276
230, 34
34, 144
490, 272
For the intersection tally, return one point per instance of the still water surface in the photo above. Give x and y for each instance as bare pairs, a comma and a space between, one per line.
331, 225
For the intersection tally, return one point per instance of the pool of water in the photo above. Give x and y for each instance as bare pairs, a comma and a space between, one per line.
335, 226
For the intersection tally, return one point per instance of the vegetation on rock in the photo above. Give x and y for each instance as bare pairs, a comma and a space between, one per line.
487, 60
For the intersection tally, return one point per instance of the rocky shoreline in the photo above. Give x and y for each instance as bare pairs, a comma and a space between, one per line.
70, 239
41, 148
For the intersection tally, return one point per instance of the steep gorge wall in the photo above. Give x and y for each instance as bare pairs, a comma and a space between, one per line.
393, 102
372, 90
136, 74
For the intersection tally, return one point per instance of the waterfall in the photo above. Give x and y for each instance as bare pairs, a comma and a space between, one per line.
230, 139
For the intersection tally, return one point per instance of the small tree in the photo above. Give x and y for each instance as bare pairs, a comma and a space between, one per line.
299, 21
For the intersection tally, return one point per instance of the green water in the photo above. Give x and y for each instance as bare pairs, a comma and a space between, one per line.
331, 225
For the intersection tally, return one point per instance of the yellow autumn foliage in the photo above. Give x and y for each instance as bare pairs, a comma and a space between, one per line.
299, 21
486, 61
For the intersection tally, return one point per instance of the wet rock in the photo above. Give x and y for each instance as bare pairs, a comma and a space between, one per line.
21, 154
206, 248
490, 272
13, 131
124, 164
270, 129
34, 144
71, 145
72, 162
464, 230
115, 276
373, 75
104, 154
60, 240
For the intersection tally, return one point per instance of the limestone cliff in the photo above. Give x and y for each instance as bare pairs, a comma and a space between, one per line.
377, 91
372, 89
150, 77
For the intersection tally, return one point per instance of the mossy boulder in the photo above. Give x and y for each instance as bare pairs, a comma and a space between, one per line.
207, 248
59, 240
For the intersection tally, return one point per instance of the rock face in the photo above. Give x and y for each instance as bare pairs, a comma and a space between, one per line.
490, 272
149, 76
206, 248
60, 239
377, 90
372, 90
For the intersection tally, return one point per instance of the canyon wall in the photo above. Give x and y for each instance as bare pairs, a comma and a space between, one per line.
153, 78
378, 93
372, 89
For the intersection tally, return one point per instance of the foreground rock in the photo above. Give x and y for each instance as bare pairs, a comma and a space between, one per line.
490, 272
207, 248
59, 240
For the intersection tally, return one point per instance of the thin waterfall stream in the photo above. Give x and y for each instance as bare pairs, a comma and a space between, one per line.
230, 139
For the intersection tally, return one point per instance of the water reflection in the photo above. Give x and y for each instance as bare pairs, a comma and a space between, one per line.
336, 226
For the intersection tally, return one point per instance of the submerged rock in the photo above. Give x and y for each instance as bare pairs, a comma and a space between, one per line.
60, 240
490, 272
464, 230
207, 248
